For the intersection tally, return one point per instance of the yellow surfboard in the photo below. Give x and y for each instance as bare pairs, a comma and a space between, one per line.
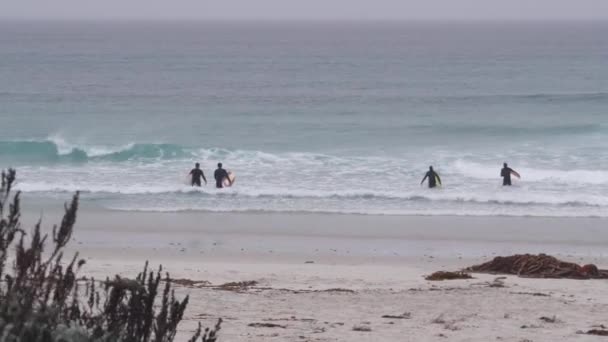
437, 181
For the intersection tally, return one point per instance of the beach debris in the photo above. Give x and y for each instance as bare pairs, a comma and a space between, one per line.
599, 332
301, 291
334, 324
292, 318
266, 325
447, 325
190, 283
539, 266
318, 330
405, 315
361, 327
237, 286
438, 320
446, 275
552, 319
535, 294
498, 282
309, 262
450, 324
337, 289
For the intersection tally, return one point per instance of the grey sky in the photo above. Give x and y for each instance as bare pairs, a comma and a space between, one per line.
305, 9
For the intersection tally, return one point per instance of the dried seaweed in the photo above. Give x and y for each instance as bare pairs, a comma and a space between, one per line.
266, 325
405, 315
237, 286
362, 328
446, 275
552, 319
539, 266
336, 290
535, 294
190, 283
597, 332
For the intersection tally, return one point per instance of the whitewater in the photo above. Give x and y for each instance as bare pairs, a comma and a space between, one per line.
333, 118
153, 177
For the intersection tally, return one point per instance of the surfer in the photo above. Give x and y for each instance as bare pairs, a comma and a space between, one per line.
197, 174
219, 175
506, 173
433, 178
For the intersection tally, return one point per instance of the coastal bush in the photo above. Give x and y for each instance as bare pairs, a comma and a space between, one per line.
42, 299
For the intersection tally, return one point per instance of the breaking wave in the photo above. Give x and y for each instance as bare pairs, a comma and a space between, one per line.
58, 151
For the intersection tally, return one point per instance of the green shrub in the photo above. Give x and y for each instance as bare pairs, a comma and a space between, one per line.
43, 300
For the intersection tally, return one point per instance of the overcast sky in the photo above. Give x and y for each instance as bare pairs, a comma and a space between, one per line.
305, 9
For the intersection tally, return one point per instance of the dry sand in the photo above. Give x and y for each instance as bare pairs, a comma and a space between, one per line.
333, 277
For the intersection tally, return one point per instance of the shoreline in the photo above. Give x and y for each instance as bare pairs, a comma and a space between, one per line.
232, 203
52, 204
340, 213
292, 239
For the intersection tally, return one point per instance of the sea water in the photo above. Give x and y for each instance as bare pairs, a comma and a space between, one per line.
338, 117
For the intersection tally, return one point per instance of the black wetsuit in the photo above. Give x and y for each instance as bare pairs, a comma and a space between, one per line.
432, 176
505, 173
219, 175
197, 174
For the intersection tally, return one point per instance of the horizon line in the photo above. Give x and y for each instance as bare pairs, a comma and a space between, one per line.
307, 20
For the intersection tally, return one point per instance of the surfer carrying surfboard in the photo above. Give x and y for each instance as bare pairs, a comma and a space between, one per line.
433, 178
221, 175
506, 173
197, 174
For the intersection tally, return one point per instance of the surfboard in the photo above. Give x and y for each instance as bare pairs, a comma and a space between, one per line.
514, 173
228, 180
437, 181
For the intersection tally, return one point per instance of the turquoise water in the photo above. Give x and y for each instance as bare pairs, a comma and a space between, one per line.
332, 117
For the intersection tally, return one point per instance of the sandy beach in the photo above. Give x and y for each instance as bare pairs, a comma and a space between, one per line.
334, 277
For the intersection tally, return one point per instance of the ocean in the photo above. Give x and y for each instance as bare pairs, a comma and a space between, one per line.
337, 117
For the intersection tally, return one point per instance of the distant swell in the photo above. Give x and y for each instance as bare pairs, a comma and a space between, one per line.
540, 97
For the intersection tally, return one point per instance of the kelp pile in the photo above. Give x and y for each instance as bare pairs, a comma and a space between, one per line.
446, 275
539, 266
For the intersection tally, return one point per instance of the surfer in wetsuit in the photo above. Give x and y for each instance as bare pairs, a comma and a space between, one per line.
219, 175
505, 173
197, 174
433, 178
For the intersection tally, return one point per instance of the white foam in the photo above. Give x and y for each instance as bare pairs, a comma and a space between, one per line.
487, 171
319, 182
